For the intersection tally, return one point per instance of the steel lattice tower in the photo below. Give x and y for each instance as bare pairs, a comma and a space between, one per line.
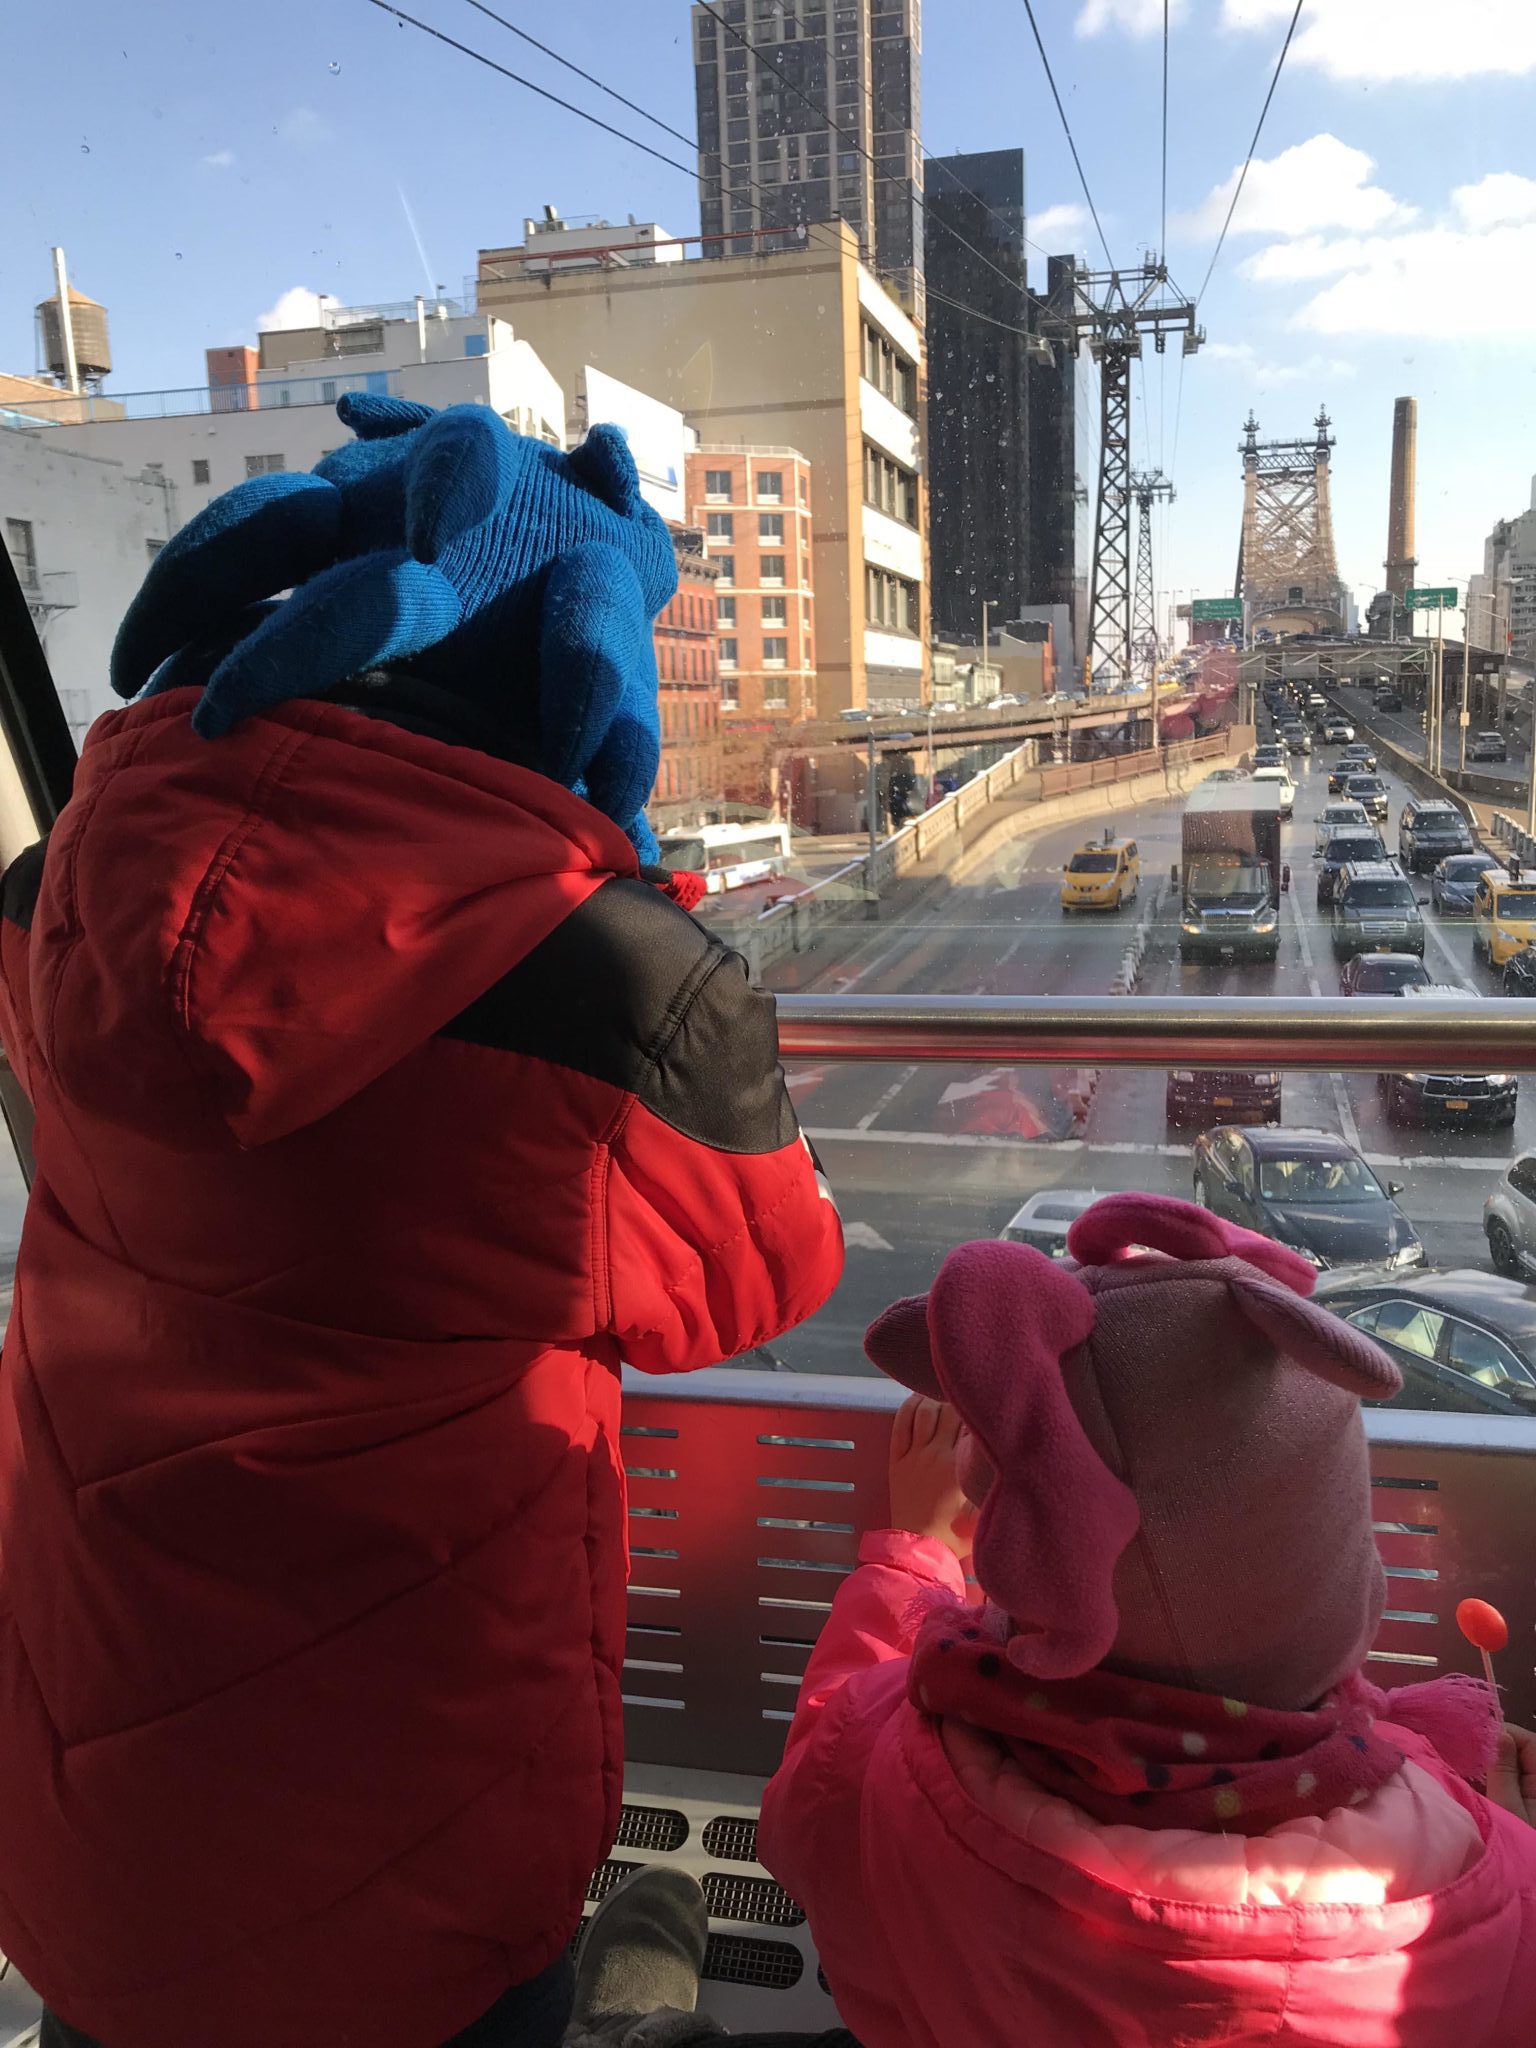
1146, 485
1288, 570
1110, 311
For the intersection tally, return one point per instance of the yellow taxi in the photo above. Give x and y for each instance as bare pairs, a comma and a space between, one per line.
1102, 875
1503, 914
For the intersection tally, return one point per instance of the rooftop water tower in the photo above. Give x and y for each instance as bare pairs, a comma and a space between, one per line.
76, 348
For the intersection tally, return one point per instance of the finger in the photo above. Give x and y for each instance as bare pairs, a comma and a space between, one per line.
901, 1428
925, 1425
1504, 1777
949, 1427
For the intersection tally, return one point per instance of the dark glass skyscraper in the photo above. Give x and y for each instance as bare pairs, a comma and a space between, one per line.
770, 156
1000, 403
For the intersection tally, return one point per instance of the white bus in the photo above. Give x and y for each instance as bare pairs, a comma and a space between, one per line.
728, 856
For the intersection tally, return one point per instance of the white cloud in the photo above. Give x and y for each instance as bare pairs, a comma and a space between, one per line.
220, 160
1434, 284
1056, 227
1319, 183
1395, 41
1135, 17
1261, 371
297, 307
304, 128
1495, 201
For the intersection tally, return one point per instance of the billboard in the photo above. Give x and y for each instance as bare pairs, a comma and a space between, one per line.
657, 438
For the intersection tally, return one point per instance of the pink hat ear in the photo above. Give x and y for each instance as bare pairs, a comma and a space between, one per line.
1109, 1231
1001, 1319
1308, 1335
897, 1342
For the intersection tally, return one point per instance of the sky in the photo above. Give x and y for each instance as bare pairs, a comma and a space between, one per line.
203, 170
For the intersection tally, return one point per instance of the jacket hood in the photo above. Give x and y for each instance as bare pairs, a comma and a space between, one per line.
234, 937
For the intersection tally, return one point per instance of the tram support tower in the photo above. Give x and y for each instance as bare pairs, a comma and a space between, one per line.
1109, 312
1146, 486
1288, 571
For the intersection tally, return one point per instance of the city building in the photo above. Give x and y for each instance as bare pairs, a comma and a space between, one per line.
80, 531
809, 111
802, 348
1501, 602
754, 508
210, 437
587, 243
1001, 417
688, 674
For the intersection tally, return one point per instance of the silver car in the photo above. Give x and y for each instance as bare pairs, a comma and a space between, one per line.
1509, 1219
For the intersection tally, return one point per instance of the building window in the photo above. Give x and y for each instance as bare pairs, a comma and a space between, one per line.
725, 611
888, 487
727, 568
891, 601
328, 385
889, 372
199, 472
21, 544
717, 486
728, 653
775, 651
805, 489
264, 465
770, 485
720, 525
772, 569
770, 526
775, 700
773, 611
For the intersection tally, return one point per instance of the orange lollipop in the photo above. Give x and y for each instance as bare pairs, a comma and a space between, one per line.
1485, 1629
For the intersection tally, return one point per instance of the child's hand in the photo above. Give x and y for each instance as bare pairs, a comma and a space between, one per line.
926, 1496
1512, 1779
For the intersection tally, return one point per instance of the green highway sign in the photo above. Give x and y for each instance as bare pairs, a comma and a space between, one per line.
1431, 600
1216, 608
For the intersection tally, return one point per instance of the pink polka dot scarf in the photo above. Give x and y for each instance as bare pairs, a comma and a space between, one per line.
1157, 1756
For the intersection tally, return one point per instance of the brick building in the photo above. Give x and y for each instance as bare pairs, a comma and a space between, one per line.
754, 508
688, 670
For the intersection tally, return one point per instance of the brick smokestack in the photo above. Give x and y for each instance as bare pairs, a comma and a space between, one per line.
1401, 561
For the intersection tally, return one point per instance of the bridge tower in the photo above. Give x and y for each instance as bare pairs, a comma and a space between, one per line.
1146, 485
1288, 572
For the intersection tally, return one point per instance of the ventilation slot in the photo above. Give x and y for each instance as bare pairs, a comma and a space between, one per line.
730, 1837
755, 1899
658, 1829
748, 1959
605, 1877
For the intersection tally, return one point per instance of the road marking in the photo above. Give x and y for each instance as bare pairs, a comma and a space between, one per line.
1341, 1103
981, 1141
888, 1098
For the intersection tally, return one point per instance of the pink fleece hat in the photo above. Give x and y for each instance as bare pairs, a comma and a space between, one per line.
1166, 1445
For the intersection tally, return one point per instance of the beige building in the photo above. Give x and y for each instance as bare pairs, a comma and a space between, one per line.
802, 348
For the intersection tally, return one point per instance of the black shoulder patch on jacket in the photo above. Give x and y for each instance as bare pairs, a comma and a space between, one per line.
630, 990
23, 879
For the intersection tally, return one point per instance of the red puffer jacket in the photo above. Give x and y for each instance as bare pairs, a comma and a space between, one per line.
382, 1108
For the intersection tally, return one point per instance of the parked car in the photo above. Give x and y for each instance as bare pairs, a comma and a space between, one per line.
1339, 816
1373, 908
1281, 777
1337, 731
1509, 1218
1199, 1095
1383, 974
1520, 973
1307, 1189
1487, 1101
1351, 847
1371, 791
1428, 830
1464, 1340
1487, 746
1454, 882
1046, 1217
1104, 874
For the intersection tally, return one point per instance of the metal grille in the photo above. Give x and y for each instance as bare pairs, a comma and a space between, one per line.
755, 1899
656, 1829
731, 1838
748, 1959
605, 1877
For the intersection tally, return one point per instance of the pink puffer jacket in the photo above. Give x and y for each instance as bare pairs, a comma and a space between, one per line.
958, 1906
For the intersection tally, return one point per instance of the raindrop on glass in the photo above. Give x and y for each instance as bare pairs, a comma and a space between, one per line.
178, 255
85, 149
334, 65
991, 377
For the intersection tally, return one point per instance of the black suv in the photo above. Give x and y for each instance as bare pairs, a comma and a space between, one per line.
1429, 829
1338, 852
1484, 1100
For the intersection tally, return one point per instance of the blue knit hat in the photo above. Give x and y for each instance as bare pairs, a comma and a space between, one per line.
522, 579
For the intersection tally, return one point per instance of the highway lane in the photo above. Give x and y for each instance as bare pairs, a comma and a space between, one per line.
1405, 730
923, 1158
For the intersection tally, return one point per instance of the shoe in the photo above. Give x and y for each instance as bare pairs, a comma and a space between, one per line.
644, 1948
